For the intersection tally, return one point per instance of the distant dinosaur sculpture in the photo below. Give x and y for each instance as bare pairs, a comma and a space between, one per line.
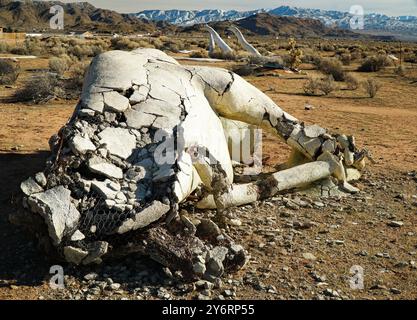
244, 43
212, 44
224, 47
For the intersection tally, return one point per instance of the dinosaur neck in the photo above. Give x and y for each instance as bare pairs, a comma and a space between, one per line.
244, 43
212, 43
219, 41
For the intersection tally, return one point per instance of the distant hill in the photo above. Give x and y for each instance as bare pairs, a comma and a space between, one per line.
405, 25
80, 16
266, 24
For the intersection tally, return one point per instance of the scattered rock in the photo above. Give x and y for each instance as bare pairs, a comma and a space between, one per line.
309, 256
118, 141
56, 208
80, 145
30, 187
100, 166
395, 224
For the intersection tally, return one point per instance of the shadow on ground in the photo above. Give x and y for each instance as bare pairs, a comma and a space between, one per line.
20, 261
23, 264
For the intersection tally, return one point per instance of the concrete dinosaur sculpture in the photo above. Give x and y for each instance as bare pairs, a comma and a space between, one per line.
224, 47
149, 134
244, 43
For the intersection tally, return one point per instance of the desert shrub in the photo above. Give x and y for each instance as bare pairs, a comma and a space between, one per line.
157, 43
327, 47
202, 44
9, 71
58, 65
58, 50
295, 54
39, 89
411, 58
351, 82
400, 71
218, 54
332, 67
33, 46
172, 46
4, 47
375, 63
311, 87
357, 54
263, 51
346, 59
77, 75
81, 52
145, 44
123, 43
371, 87
199, 54
316, 86
327, 85
314, 59
20, 50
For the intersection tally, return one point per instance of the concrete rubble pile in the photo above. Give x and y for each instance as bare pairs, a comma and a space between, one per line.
142, 141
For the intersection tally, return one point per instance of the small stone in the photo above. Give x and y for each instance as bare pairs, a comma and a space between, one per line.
77, 236
91, 276
314, 131
74, 255
115, 286
80, 145
30, 187
199, 268
106, 189
395, 291
309, 256
395, 224
104, 168
41, 179
228, 293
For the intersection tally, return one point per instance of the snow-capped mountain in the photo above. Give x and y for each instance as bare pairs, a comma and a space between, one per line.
373, 21
185, 17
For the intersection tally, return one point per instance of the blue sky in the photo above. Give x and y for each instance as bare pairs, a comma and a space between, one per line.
389, 7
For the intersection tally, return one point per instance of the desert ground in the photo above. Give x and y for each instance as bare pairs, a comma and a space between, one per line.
300, 247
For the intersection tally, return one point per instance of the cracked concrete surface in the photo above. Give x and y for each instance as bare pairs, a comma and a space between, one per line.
149, 133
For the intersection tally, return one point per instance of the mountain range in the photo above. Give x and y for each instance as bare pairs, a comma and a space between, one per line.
267, 24
35, 16
373, 21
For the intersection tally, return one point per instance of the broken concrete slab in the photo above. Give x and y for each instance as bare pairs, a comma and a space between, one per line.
74, 255
118, 141
30, 186
137, 120
145, 217
55, 206
114, 101
314, 131
96, 251
106, 189
81, 145
102, 167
